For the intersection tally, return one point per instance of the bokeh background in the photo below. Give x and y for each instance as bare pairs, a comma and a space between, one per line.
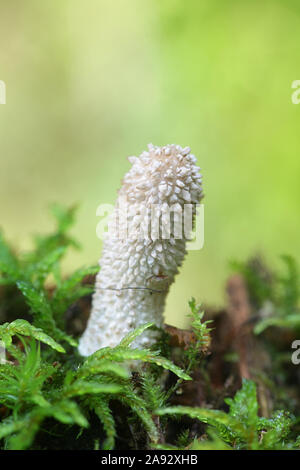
89, 83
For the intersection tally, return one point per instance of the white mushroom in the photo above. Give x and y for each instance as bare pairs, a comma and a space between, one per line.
142, 254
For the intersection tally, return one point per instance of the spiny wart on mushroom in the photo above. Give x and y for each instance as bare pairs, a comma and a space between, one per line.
140, 260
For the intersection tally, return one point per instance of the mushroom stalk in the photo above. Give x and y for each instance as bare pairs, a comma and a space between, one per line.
151, 222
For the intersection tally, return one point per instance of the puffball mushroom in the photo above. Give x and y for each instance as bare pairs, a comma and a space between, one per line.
141, 258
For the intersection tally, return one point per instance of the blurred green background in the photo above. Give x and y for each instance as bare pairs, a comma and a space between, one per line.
89, 83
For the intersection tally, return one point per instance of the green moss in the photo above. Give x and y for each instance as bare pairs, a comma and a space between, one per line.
52, 398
